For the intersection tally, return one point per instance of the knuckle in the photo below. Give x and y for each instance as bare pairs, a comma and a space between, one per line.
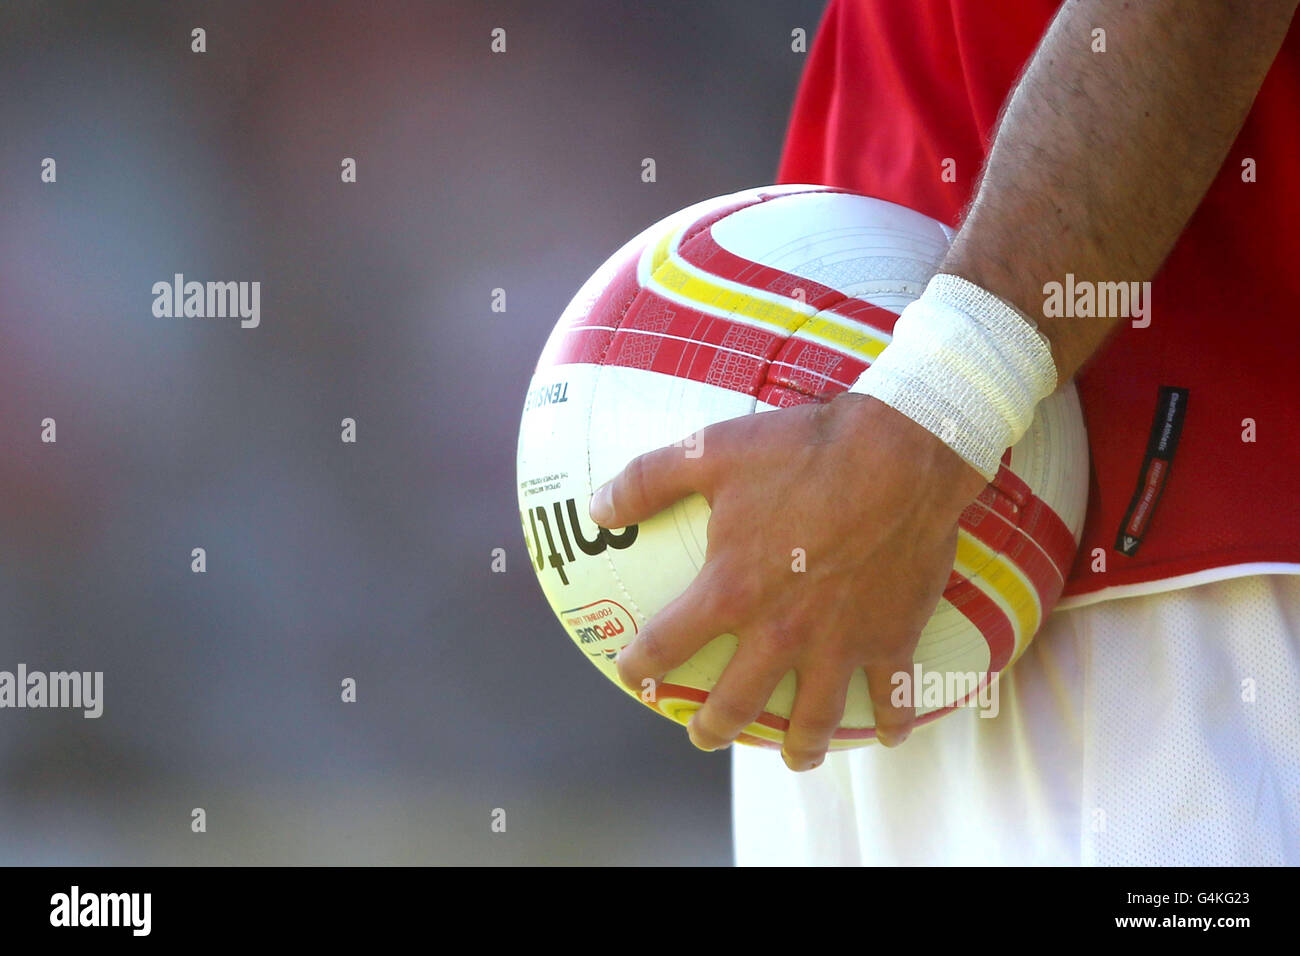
819, 724
717, 602
782, 640
841, 650
733, 592
652, 653
888, 656
627, 670
631, 492
724, 714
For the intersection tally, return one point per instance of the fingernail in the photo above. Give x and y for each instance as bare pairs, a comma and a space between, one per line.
801, 767
601, 508
690, 732
891, 739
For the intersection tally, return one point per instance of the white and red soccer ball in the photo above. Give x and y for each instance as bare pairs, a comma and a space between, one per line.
742, 304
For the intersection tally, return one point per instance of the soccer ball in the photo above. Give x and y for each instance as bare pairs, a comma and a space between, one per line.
742, 304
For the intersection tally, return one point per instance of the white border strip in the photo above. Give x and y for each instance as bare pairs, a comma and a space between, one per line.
1208, 576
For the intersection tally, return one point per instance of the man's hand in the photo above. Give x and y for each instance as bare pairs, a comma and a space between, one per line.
873, 500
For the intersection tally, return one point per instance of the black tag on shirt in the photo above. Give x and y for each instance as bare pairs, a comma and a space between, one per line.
1166, 429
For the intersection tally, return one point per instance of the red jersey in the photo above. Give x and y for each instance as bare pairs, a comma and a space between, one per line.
1178, 494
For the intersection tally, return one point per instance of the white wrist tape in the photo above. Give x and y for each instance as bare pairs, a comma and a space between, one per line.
966, 366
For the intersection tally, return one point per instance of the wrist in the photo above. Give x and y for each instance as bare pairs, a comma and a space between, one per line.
941, 477
967, 367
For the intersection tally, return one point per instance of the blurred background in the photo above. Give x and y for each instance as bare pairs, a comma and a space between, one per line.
475, 171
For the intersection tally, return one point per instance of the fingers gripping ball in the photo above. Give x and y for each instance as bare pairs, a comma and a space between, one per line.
746, 303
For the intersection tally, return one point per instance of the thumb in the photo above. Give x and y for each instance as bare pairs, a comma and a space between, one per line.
649, 484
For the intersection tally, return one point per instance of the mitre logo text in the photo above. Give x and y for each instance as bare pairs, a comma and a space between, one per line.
209, 300
76, 908
76, 690
553, 535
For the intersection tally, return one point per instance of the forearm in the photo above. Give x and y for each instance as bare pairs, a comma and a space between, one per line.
1101, 158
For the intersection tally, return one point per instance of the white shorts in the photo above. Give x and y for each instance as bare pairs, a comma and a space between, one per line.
1154, 730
